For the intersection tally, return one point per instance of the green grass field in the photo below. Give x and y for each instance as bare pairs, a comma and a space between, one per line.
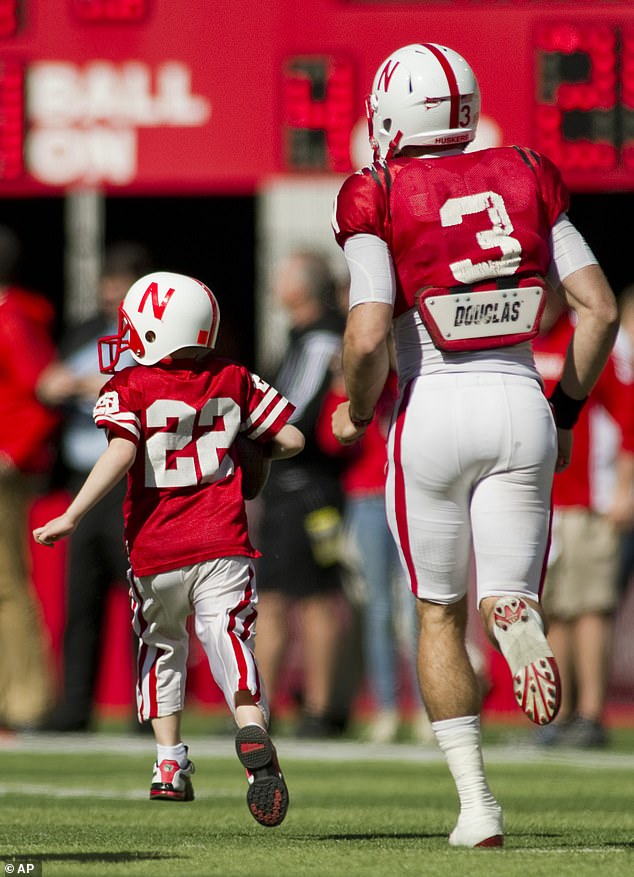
78, 805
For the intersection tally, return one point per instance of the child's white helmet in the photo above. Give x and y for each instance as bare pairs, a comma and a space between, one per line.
161, 313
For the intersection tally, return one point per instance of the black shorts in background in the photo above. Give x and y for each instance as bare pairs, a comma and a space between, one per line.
300, 540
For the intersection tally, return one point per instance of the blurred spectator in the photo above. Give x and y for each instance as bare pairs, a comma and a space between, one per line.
593, 502
97, 558
377, 562
26, 433
624, 351
300, 517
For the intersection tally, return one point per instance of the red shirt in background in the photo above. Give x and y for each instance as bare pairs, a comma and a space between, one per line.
26, 348
577, 485
364, 472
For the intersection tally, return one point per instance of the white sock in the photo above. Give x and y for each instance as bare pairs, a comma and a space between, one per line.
176, 753
459, 739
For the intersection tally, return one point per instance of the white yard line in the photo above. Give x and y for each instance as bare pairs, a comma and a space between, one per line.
311, 750
55, 791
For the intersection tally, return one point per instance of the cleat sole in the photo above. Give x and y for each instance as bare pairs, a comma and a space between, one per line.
536, 682
267, 795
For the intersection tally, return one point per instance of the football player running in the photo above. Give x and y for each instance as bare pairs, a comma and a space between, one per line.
451, 250
173, 422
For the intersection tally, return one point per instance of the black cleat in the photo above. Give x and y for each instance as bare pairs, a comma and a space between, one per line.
267, 796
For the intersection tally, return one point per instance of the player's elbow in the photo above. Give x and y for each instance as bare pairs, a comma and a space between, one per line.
610, 316
288, 442
603, 317
593, 299
294, 441
363, 342
367, 329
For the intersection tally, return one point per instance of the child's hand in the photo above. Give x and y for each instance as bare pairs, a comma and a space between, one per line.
54, 530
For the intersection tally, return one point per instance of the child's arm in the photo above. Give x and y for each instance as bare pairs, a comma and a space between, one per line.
255, 459
109, 469
288, 442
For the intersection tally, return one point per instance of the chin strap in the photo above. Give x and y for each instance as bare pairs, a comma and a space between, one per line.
374, 143
393, 147
369, 114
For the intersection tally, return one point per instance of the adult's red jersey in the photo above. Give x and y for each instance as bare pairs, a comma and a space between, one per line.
456, 220
184, 499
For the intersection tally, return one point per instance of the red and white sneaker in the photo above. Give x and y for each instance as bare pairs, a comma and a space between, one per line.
267, 795
171, 782
536, 682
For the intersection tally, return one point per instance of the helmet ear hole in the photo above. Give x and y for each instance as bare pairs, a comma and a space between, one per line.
150, 336
387, 125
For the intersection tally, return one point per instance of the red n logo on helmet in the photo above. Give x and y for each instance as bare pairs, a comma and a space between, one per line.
158, 307
386, 75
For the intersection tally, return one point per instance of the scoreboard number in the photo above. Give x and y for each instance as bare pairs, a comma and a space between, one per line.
584, 111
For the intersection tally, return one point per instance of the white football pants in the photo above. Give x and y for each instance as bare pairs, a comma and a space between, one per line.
471, 463
221, 597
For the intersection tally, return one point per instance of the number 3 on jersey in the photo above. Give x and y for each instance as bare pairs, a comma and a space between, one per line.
497, 235
187, 449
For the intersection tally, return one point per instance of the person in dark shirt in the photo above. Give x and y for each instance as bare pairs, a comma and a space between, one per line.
300, 516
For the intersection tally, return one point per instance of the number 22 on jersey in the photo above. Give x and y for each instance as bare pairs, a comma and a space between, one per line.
188, 447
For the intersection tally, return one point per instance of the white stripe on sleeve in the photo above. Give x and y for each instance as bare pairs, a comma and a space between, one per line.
270, 419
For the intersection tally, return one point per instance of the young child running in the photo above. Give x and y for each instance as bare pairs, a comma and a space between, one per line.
175, 424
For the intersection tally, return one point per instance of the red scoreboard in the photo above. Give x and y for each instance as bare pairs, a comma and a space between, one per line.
149, 96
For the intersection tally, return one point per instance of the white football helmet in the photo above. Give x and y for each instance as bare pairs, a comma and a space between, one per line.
161, 313
422, 95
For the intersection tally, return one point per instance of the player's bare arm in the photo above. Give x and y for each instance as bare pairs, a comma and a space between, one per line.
107, 471
366, 363
288, 442
255, 459
589, 294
